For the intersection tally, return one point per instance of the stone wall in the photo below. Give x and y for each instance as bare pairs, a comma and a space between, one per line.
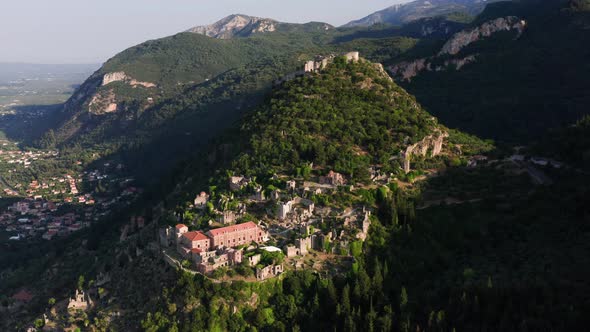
433, 143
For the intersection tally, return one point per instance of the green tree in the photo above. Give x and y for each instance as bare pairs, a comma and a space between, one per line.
403, 302
81, 282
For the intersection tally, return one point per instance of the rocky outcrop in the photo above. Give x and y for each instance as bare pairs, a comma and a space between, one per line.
458, 63
234, 25
379, 67
103, 102
464, 38
120, 76
433, 143
407, 70
244, 26
113, 77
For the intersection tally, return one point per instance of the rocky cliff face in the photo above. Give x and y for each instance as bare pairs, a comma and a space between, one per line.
433, 143
103, 102
100, 99
406, 70
122, 77
464, 38
234, 25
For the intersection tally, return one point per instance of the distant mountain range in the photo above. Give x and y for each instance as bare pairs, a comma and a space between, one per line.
411, 11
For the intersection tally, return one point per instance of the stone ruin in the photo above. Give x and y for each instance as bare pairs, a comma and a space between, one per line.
269, 272
80, 301
322, 62
432, 143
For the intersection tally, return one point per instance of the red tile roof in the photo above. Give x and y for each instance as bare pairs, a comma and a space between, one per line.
196, 250
195, 236
234, 228
179, 226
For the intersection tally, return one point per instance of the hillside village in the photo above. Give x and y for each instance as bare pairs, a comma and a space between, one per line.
271, 226
287, 226
260, 227
56, 205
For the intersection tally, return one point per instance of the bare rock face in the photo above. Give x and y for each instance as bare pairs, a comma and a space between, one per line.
407, 70
383, 72
464, 38
113, 77
410, 11
433, 143
235, 24
459, 63
120, 76
103, 102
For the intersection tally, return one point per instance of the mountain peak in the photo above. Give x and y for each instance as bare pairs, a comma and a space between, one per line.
236, 25
399, 14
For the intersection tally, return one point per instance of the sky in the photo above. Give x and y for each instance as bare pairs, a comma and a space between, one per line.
92, 31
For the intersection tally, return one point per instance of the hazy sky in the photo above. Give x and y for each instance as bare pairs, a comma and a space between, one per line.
91, 31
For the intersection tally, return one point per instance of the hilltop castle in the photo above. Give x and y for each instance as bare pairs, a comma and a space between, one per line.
320, 63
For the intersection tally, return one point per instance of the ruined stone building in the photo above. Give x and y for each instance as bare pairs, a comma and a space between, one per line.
433, 143
210, 261
201, 200
322, 62
333, 179
269, 272
254, 260
167, 236
284, 209
238, 182
258, 194
80, 301
227, 217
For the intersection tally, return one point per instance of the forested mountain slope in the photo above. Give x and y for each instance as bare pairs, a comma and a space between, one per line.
183, 90
510, 85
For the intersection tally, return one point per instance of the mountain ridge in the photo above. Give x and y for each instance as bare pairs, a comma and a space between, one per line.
411, 11
240, 25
